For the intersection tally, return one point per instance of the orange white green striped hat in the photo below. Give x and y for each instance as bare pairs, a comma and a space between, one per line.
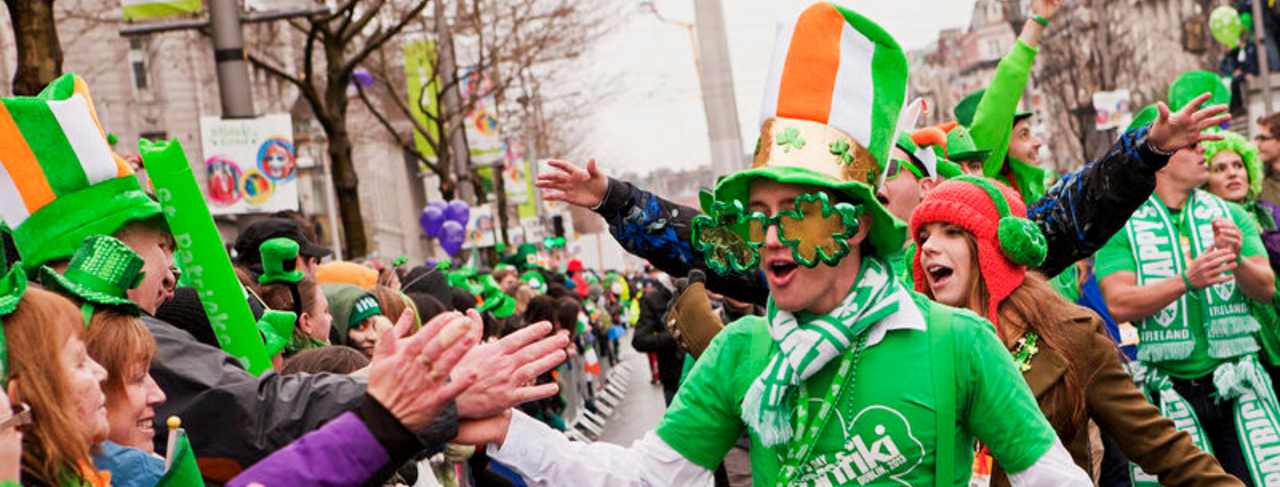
836, 88
59, 180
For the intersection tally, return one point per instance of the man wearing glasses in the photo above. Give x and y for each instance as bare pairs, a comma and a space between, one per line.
1268, 140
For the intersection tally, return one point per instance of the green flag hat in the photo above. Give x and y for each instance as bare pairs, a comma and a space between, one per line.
836, 87
62, 181
101, 273
279, 261
1191, 84
968, 107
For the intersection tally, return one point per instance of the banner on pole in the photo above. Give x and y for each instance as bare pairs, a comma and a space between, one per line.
1112, 109
483, 137
249, 165
481, 227
423, 88
150, 9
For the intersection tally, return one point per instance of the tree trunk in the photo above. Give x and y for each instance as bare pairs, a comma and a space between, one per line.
36, 40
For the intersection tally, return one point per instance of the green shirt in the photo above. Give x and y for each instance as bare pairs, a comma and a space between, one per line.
1116, 256
885, 433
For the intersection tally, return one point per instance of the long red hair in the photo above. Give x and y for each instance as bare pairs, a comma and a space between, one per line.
55, 443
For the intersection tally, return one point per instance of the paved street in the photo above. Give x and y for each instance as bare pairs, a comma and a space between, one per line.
643, 406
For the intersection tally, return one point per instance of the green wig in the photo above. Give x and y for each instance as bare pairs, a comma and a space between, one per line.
1237, 143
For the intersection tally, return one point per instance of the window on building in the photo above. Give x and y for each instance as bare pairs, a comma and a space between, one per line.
991, 49
138, 64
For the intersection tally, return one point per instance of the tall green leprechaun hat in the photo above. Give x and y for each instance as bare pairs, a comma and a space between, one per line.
968, 107
101, 273
836, 86
59, 180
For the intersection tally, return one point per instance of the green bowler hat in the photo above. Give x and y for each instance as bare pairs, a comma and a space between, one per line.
279, 261
102, 271
965, 110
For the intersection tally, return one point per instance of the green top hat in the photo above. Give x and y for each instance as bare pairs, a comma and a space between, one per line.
968, 107
101, 273
961, 147
66, 183
279, 261
824, 129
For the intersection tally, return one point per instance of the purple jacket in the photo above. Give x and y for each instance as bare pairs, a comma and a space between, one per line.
354, 448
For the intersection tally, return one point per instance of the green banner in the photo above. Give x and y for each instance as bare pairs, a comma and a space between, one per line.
423, 88
202, 254
150, 9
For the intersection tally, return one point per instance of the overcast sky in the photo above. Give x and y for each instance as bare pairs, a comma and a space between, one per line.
651, 115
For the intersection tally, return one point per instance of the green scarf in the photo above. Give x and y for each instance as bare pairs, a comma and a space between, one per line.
1253, 400
807, 342
1157, 248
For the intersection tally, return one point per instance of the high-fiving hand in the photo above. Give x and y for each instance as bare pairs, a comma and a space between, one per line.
572, 184
408, 375
1185, 128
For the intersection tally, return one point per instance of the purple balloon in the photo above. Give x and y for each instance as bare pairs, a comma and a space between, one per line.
458, 211
452, 236
431, 219
441, 204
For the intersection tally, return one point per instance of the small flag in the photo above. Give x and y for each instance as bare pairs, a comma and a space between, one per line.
180, 463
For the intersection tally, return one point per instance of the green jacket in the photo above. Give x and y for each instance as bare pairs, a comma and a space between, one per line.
993, 124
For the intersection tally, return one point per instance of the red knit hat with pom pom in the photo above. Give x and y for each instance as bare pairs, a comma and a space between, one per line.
970, 203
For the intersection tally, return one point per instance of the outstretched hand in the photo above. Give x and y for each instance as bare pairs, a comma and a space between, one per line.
572, 184
507, 369
1185, 128
1046, 8
407, 375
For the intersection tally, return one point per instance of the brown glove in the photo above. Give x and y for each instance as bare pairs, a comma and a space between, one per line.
691, 321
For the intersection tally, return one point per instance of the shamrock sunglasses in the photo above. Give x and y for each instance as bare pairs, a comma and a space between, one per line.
816, 230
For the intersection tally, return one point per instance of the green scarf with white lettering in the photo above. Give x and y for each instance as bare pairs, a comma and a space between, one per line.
1157, 247
1242, 386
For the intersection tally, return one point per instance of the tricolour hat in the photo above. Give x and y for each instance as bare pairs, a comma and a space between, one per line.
101, 273
836, 86
968, 107
59, 180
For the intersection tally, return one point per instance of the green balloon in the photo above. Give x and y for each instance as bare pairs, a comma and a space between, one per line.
1225, 25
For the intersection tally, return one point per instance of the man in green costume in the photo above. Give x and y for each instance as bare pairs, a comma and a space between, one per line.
1183, 270
993, 118
818, 384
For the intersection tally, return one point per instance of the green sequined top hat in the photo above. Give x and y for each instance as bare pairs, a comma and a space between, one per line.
968, 107
101, 273
279, 261
822, 128
65, 182
12, 288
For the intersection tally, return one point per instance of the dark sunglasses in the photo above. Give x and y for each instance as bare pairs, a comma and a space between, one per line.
21, 416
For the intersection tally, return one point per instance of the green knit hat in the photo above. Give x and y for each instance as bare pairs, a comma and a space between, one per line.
279, 261
101, 273
62, 181
968, 107
1191, 84
349, 305
1248, 152
822, 127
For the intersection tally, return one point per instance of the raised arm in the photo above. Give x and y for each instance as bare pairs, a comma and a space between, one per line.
646, 225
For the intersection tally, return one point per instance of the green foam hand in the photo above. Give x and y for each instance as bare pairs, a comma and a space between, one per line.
201, 254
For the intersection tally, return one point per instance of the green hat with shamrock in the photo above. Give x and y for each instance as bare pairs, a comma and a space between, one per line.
968, 107
62, 182
101, 273
836, 88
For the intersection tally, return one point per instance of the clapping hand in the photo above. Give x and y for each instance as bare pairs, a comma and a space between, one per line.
408, 375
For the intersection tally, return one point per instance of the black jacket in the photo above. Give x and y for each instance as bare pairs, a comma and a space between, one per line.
652, 337
1078, 215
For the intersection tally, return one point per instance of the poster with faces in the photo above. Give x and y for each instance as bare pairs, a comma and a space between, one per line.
248, 165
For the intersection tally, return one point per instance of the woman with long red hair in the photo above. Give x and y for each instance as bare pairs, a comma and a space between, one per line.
974, 248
